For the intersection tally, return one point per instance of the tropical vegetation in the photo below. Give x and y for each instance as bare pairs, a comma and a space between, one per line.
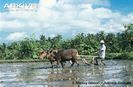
119, 45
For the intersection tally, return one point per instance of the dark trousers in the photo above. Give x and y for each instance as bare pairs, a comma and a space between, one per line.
97, 59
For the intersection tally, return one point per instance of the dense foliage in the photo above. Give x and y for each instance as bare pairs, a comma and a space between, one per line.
29, 48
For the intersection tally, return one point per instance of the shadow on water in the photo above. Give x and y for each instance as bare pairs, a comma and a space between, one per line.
47, 67
42, 75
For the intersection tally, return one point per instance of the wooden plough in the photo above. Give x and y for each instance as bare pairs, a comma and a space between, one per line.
85, 57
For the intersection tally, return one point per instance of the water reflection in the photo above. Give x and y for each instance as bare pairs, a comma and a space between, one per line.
62, 75
30, 75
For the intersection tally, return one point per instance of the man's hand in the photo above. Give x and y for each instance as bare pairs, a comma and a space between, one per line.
101, 50
96, 52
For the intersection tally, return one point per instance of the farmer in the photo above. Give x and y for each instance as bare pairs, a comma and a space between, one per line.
101, 56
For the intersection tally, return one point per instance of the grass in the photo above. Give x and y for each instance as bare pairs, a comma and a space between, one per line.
23, 61
124, 55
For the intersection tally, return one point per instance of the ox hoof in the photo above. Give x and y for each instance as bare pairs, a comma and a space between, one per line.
77, 64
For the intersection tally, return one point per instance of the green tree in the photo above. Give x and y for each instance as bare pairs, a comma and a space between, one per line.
129, 36
112, 43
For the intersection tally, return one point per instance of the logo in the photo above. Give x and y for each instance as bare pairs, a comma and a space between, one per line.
21, 6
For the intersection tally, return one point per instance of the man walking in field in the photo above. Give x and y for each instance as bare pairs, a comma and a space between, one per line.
102, 51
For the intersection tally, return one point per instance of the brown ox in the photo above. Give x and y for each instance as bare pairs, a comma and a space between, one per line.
61, 56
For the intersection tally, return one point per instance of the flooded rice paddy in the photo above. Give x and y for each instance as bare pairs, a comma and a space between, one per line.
116, 73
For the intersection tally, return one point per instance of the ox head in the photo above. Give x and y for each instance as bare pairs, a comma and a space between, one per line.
42, 54
50, 54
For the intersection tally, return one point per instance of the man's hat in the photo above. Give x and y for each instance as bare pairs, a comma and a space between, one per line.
102, 41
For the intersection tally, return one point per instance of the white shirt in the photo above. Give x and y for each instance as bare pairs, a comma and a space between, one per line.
102, 51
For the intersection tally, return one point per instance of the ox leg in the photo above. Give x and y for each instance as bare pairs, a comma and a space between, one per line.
77, 63
62, 64
72, 64
52, 64
58, 63
73, 61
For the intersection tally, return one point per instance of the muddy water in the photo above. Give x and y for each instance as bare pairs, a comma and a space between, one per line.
117, 73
